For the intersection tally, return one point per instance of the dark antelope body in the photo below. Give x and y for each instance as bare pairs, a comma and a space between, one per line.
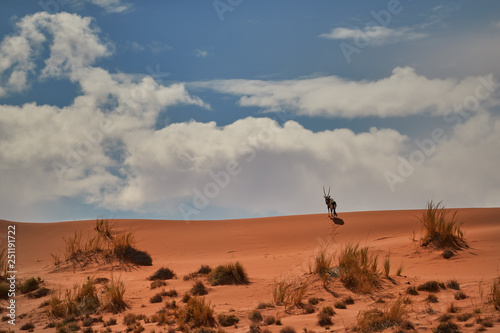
330, 203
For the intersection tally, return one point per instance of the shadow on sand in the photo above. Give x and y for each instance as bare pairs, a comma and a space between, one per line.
337, 220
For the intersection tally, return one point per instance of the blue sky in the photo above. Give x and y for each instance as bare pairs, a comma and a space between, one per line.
234, 109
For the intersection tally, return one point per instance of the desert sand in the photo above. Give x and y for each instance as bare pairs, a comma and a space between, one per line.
272, 249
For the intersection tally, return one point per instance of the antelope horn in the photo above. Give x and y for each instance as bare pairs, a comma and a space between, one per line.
328, 191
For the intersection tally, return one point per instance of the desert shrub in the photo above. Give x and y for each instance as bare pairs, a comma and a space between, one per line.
87, 321
232, 273
328, 310
432, 298
156, 298
287, 329
27, 326
387, 265
203, 270
308, 308
113, 296
130, 319
255, 316
446, 327
411, 290
378, 319
103, 227
459, 295
314, 300
110, 322
340, 305
75, 302
269, 320
453, 284
324, 319
163, 273
445, 317
430, 286
439, 231
132, 255
30, 284
323, 263
196, 313
495, 293
185, 298
40, 292
452, 308
464, 316
171, 293
199, 289
254, 328
227, 320
264, 305
348, 300
287, 292
157, 284
4, 290
358, 269
204, 330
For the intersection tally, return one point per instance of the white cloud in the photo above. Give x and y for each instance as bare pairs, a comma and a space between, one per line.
375, 35
201, 53
113, 6
401, 94
75, 46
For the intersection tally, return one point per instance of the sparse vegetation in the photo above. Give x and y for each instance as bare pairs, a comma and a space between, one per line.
453, 284
202, 271
80, 300
164, 273
358, 269
464, 316
378, 319
199, 289
269, 320
288, 293
324, 319
156, 299
495, 293
227, 320
440, 231
157, 284
340, 305
411, 290
287, 329
459, 295
113, 296
40, 292
446, 327
196, 313
255, 316
348, 300
432, 298
232, 273
387, 265
323, 263
104, 246
29, 285
400, 269
430, 286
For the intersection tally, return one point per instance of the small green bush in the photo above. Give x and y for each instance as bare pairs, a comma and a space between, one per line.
30, 284
199, 289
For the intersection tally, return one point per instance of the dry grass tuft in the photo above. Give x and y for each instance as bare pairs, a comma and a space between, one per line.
232, 273
358, 269
495, 293
323, 263
439, 231
81, 300
196, 313
3, 260
289, 293
379, 319
113, 296
387, 265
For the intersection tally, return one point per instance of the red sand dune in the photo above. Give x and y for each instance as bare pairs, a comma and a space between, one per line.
270, 249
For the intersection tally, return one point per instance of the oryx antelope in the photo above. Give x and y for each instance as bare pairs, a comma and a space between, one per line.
330, 203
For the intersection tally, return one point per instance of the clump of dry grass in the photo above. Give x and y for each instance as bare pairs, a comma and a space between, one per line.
495, 293
440, 231
387, 265
199, 289
358, 269
289, 292
163, 273
232, 273
113, 296
379, 319
196, 313
3, 260
204, 270
105, 246
227, 320
323, 263
80, 300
